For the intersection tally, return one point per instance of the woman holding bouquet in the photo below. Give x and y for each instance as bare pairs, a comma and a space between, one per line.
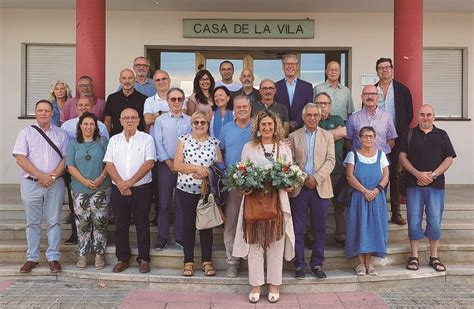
271, 238
194, 154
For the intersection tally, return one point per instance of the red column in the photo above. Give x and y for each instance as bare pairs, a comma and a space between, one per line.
408, 47
90, 42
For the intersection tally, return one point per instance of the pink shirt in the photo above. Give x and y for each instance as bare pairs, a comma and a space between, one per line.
69, 109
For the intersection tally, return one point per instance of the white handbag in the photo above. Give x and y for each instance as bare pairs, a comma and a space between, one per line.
208, 214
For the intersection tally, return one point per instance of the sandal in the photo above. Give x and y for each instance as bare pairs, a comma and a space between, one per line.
208, 269
188, 269
435, 262
413, 263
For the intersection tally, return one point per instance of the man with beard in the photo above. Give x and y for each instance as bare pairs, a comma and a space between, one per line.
246, 79
126, 97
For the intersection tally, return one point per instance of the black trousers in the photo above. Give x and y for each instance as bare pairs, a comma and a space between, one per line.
123, 207
393, 177
189, 203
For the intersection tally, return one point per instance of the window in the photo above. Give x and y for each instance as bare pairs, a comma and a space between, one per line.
443, 81
45, 64
180, 67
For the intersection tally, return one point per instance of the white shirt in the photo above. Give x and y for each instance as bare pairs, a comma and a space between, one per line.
387, 103
367, 160
231, 87
128, 157
70, 127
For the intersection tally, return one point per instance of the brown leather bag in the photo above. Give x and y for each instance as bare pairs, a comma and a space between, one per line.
259, 206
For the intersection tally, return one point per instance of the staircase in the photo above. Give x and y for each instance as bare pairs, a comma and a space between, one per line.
456, 252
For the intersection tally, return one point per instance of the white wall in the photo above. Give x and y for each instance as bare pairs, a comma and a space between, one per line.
369, 36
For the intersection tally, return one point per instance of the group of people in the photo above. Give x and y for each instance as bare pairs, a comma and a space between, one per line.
162, 144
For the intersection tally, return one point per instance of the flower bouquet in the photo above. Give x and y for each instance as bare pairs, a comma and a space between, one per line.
244, 176
282, 175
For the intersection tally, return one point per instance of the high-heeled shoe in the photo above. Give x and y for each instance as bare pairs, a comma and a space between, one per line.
254, 297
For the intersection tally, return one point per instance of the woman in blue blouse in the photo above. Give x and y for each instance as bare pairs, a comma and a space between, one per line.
90, 189
222, 110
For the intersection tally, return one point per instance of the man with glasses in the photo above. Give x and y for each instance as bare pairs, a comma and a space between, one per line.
157, 105
128, 160
143, 84
168, 128
267, 92
371, 115
341, 97
226, 68
293, 92
395, 98
85, 88
313, 150
126, 97
335, 125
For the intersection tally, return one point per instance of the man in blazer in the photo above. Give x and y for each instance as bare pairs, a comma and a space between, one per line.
313, 151
292, 92
395, 98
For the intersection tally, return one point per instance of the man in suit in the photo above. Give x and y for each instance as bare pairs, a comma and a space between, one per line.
313, 151
395, 98
292, 92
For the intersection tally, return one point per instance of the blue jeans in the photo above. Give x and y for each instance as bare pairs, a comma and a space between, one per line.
431, 201
39, 202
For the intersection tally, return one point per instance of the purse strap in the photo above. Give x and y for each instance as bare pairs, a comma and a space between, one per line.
50, 142
205, 182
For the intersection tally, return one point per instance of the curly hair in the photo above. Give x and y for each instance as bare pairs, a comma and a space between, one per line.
278, 133
79, 136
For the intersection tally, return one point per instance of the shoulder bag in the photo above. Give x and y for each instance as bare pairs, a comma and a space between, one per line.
208, 214
344, 188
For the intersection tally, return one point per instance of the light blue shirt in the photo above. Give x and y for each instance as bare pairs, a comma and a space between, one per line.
310, 143
70, 127
387, 103
233, 138
147, 88
168, 128
291, 89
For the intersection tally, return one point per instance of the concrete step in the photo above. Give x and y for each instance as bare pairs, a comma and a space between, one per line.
342, 280
17, 212
172, 257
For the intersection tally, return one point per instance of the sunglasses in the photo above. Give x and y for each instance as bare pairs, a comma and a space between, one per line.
173, 99
199, 122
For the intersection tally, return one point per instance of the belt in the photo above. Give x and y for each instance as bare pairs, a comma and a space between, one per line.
31, 178
139, 187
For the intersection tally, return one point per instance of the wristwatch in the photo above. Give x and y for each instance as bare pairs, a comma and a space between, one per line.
434, 175
54, 177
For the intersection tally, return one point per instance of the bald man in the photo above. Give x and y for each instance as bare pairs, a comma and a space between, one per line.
126, 97
246, 79
341, 98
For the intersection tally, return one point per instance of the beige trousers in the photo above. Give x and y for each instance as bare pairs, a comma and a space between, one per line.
232, 207
256, 262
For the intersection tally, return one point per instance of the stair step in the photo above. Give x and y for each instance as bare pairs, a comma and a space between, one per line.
342, 280
12, 251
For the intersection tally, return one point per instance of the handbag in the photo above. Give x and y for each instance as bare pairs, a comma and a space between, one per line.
344, 188
208, 214
260, 206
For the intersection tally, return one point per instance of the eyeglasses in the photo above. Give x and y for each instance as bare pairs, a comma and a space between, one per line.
267, 88
141, 65
84, 85
323, 104
312, 115
159, 80
289, 64
385, 68
364, 136
174, 100
368, 94
199, 123
127, 118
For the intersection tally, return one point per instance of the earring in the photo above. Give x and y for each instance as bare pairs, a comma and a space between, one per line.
259, 134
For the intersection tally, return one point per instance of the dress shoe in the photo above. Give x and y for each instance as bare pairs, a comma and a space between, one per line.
99, 261
300, 272
397, 219
28, 266
82, 262
143, 266
318, 272
120, 266
54, 266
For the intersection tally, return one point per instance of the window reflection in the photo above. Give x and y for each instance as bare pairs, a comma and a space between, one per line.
180, 66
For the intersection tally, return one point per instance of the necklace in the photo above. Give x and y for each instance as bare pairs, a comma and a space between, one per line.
268, 155
87, 156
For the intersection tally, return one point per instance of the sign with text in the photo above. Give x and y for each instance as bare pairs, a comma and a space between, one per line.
248, 28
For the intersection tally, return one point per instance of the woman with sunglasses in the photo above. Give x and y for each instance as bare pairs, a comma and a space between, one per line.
222, 110
194, 154
366, 222
201, 99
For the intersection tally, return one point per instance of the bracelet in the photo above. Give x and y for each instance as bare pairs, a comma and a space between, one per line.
379, 186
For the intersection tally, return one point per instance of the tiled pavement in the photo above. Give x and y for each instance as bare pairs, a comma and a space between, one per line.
57, 294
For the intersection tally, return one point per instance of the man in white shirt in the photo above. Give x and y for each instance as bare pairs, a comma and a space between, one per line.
226, 68
156, 105
129, 158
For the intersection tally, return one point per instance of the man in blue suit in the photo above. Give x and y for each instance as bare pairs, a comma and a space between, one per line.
292, 92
